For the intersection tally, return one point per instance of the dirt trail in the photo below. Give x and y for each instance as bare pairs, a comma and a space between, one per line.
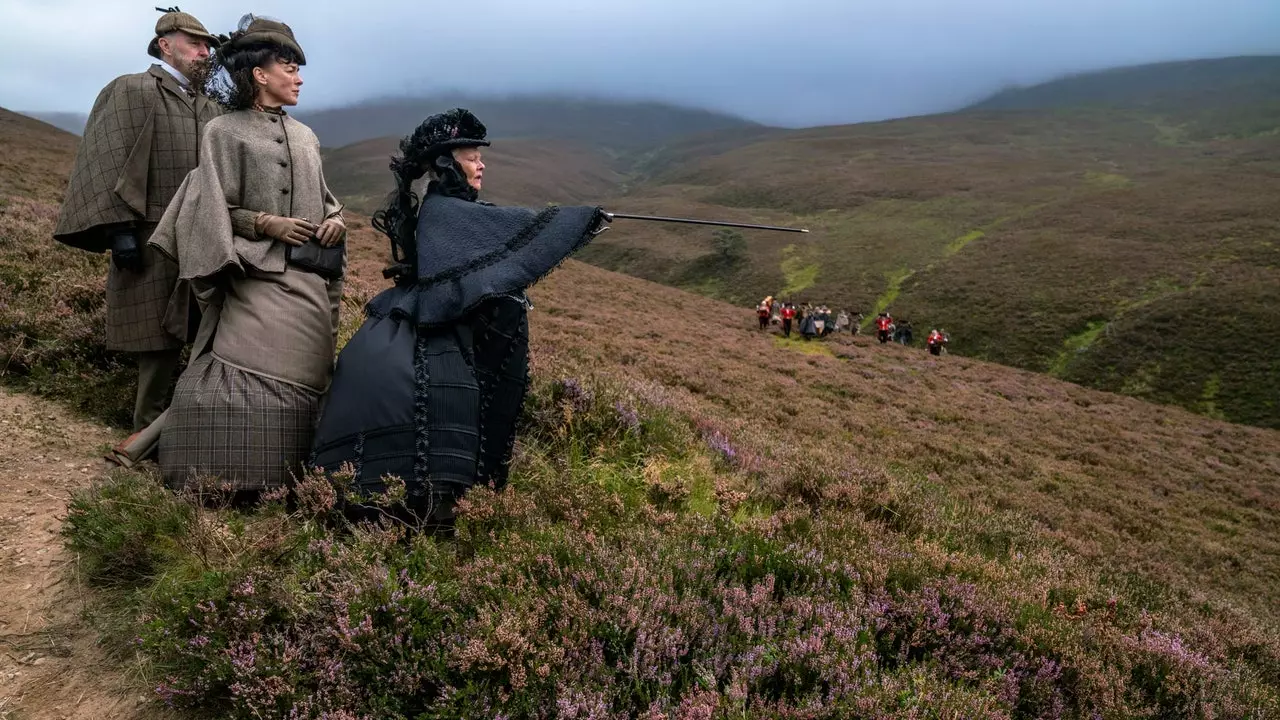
50, 666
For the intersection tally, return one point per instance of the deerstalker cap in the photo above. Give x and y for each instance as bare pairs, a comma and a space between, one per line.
174, 20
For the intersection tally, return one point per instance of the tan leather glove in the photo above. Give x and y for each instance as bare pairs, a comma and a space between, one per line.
331, 232
291, 231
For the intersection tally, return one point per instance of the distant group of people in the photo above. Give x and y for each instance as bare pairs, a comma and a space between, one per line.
888, 329
819, 322
809, 320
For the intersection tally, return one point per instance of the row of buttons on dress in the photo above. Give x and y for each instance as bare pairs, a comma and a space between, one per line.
280, 140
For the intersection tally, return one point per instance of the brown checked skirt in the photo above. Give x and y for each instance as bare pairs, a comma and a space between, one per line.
251, 431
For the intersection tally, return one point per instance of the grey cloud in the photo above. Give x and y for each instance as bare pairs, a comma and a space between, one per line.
787, 62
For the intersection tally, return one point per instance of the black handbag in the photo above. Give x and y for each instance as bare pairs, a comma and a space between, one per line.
313, 257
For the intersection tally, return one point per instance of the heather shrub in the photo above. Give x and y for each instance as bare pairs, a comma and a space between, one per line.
628, 571
123, 526
53, 317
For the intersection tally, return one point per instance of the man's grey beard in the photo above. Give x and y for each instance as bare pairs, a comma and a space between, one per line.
199, 73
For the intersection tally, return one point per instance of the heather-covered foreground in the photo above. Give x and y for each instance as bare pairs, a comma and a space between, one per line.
703, 522
637, 569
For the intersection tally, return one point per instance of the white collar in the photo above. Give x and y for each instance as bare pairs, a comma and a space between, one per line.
182, 79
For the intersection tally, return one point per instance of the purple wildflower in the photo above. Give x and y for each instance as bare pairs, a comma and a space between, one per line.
629, 417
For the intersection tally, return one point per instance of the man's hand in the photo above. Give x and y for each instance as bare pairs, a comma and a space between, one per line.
125, 253
331, 232
291, 231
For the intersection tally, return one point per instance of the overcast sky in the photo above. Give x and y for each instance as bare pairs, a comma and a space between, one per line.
784, 62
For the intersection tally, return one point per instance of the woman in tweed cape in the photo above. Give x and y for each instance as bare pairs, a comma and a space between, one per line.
243, 229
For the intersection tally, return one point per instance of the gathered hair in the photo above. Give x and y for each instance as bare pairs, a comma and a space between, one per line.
398, 218
229, 77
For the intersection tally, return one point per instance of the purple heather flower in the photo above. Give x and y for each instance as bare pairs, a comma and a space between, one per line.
627, 415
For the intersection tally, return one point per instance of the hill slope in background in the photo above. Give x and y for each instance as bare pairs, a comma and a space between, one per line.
1236, 96
35, 158
532, 172
1123, 248
72, 122
613, 126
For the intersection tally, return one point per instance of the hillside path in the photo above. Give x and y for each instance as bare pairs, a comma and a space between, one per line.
50, 666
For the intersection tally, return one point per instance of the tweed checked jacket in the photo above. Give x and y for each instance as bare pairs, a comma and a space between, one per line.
141, 140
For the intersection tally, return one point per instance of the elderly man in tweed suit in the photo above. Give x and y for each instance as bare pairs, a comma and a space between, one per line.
141, 140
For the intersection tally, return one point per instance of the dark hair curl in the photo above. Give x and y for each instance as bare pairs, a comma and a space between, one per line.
398, 218
229, 78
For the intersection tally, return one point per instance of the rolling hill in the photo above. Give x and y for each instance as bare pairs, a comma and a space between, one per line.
35, 158
71, 122
616, 126
610, 125
1224, 97
531, 172
1127, 246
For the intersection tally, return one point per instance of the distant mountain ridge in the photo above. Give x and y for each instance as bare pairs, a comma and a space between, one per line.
526, 172
1234, 80
618, 126
1222, 97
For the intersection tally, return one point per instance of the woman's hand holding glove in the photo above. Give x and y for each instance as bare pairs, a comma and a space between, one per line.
291, 231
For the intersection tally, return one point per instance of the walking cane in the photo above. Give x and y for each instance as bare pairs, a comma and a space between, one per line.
691, 221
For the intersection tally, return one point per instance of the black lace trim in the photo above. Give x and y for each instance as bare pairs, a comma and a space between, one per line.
510, 445
359, 451
497, 380
421, 419
522, 238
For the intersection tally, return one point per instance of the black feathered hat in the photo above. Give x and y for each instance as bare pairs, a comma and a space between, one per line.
454, 128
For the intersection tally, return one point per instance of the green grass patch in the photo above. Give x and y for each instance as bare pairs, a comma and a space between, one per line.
800, 345
1107, 181
1208, 404
893, 280
798, 272
1076, 344
959, 243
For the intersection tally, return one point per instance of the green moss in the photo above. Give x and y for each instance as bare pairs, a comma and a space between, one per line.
799, 273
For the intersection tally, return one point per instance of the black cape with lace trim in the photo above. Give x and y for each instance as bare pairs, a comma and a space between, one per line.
430, 387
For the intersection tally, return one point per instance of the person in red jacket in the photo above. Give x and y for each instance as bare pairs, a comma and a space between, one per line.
763, 310
788, 316
884, 327
936, 341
